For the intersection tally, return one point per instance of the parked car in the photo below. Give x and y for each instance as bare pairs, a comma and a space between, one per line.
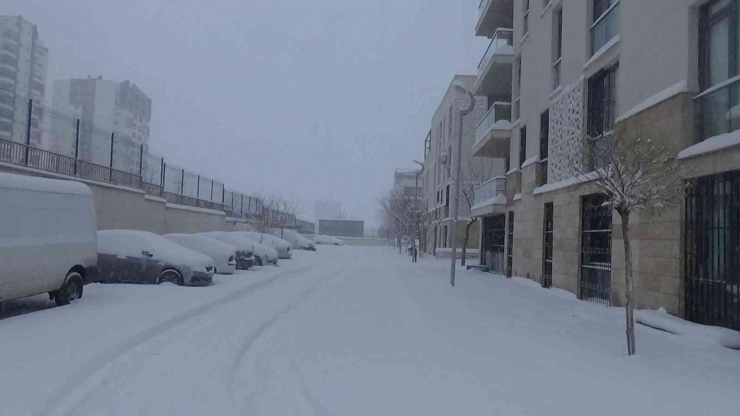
282, 246
264, 255
130, 256
48, 240
337, 241
326, 240
244, 247
223, 255
297, 241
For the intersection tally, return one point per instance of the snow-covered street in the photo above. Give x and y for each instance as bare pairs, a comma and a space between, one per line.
350, 331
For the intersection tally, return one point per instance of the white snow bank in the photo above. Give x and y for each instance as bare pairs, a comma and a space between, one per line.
499, 199
673, 90
131, 243
517, 197
530, 161
11, 181
564, 183
711, 145
660, 319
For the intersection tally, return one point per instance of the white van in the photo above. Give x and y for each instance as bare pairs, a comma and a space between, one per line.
48, 239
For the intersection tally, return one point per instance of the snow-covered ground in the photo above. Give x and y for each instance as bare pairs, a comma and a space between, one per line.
350, 331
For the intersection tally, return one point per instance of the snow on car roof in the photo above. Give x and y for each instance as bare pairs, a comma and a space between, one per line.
202, 242
130, 243
11, 181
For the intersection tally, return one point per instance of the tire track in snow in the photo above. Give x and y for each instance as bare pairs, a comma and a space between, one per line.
95, 366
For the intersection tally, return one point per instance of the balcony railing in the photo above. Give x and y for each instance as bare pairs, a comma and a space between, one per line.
605, 28
502, 42
490, 189
482, 6
498, 112
719, 109
556, 74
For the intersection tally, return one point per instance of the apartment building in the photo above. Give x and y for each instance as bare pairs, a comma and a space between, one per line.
667, 70
107, 111
23, 66
440, 163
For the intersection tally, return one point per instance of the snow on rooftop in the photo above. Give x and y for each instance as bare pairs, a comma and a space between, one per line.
530, 161
499, 199
711, 145
517, 197
564, 183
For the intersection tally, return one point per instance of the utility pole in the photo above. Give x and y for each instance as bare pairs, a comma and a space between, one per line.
77, 144
418, 214
460, 88
110, 171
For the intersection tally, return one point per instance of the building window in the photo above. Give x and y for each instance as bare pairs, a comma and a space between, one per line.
596, 250
547, 239
544, 146
525, 22
557, 23
518, 92
605, 23
719, 68
522, 146
602, 101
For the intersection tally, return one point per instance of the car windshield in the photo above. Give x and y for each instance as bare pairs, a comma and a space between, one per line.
369, 207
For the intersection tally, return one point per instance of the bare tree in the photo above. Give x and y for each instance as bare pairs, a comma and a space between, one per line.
274, 212
634, 175
479, 171
398, 214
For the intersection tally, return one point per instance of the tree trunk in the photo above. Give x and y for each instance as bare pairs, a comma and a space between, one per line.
630, 313
465, 242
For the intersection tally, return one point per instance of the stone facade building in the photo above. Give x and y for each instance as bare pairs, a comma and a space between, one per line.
667, 70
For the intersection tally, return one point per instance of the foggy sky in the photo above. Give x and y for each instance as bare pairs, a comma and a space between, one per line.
316, 100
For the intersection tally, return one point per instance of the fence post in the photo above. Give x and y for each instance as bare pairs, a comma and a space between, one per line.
241, 206
223, 194
110, 171
197, 193
212, 182
161, 173
141, 159
164, 173
77, 144
28, 128
182, 182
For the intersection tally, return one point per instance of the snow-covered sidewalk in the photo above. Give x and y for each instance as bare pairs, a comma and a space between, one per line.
352, 331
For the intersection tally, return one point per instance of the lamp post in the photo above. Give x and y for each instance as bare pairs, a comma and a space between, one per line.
460, 88
416, 206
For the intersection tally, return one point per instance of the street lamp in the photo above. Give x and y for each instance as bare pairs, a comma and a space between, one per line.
416, 206
460, 88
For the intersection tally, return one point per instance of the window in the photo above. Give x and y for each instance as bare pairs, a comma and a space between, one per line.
547, 239
596, 250
525, 23
544, 146
719, 62
518, 92
602, 100
557, 47
605, 23
522, 146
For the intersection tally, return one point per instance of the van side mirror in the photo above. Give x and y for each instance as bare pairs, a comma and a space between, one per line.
146, 253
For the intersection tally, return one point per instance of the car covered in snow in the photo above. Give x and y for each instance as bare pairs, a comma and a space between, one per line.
130, 256
47, 238
297, 241
264, 255
327, 240
282, 246
223, 255
244, 247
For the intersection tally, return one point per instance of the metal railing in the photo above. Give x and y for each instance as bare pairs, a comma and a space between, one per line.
488, 190
498, 112
501, 42
719, 109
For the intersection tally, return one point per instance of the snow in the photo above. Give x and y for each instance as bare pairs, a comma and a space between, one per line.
459, 250
499, 199
575, 180
218, 251
195, 209
702, 334
673, 90
711, 145
155, 198
608, 45
530, 161
517, 197
347, 331
501, 125
30, 183
131, 243
513, 170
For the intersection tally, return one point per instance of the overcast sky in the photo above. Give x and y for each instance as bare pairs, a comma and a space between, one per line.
316, 100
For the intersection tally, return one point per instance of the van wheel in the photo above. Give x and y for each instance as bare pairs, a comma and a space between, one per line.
70, 291
257, 261
170, 276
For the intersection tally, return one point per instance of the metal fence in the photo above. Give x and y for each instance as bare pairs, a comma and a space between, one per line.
60, 141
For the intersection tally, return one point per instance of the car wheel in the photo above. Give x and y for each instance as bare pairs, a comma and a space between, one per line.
257, 261
70, 291
170, 276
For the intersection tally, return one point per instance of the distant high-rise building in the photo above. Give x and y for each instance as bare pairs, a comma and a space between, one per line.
103, 107
23, 64
328, 210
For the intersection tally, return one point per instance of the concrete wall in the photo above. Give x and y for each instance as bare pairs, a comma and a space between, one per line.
124, 208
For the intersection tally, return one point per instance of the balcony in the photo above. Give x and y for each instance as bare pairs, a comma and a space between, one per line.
719, 109
493, 134
494, 14
490, 198
494, 70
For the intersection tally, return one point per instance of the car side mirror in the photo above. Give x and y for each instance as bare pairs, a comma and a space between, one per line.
146, 253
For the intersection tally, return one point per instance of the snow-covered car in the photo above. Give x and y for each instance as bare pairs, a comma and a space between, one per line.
223, 255
297, 241
130, 256
264, 255
244, 247
282, 246
47, 238
337, 241
326, 240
